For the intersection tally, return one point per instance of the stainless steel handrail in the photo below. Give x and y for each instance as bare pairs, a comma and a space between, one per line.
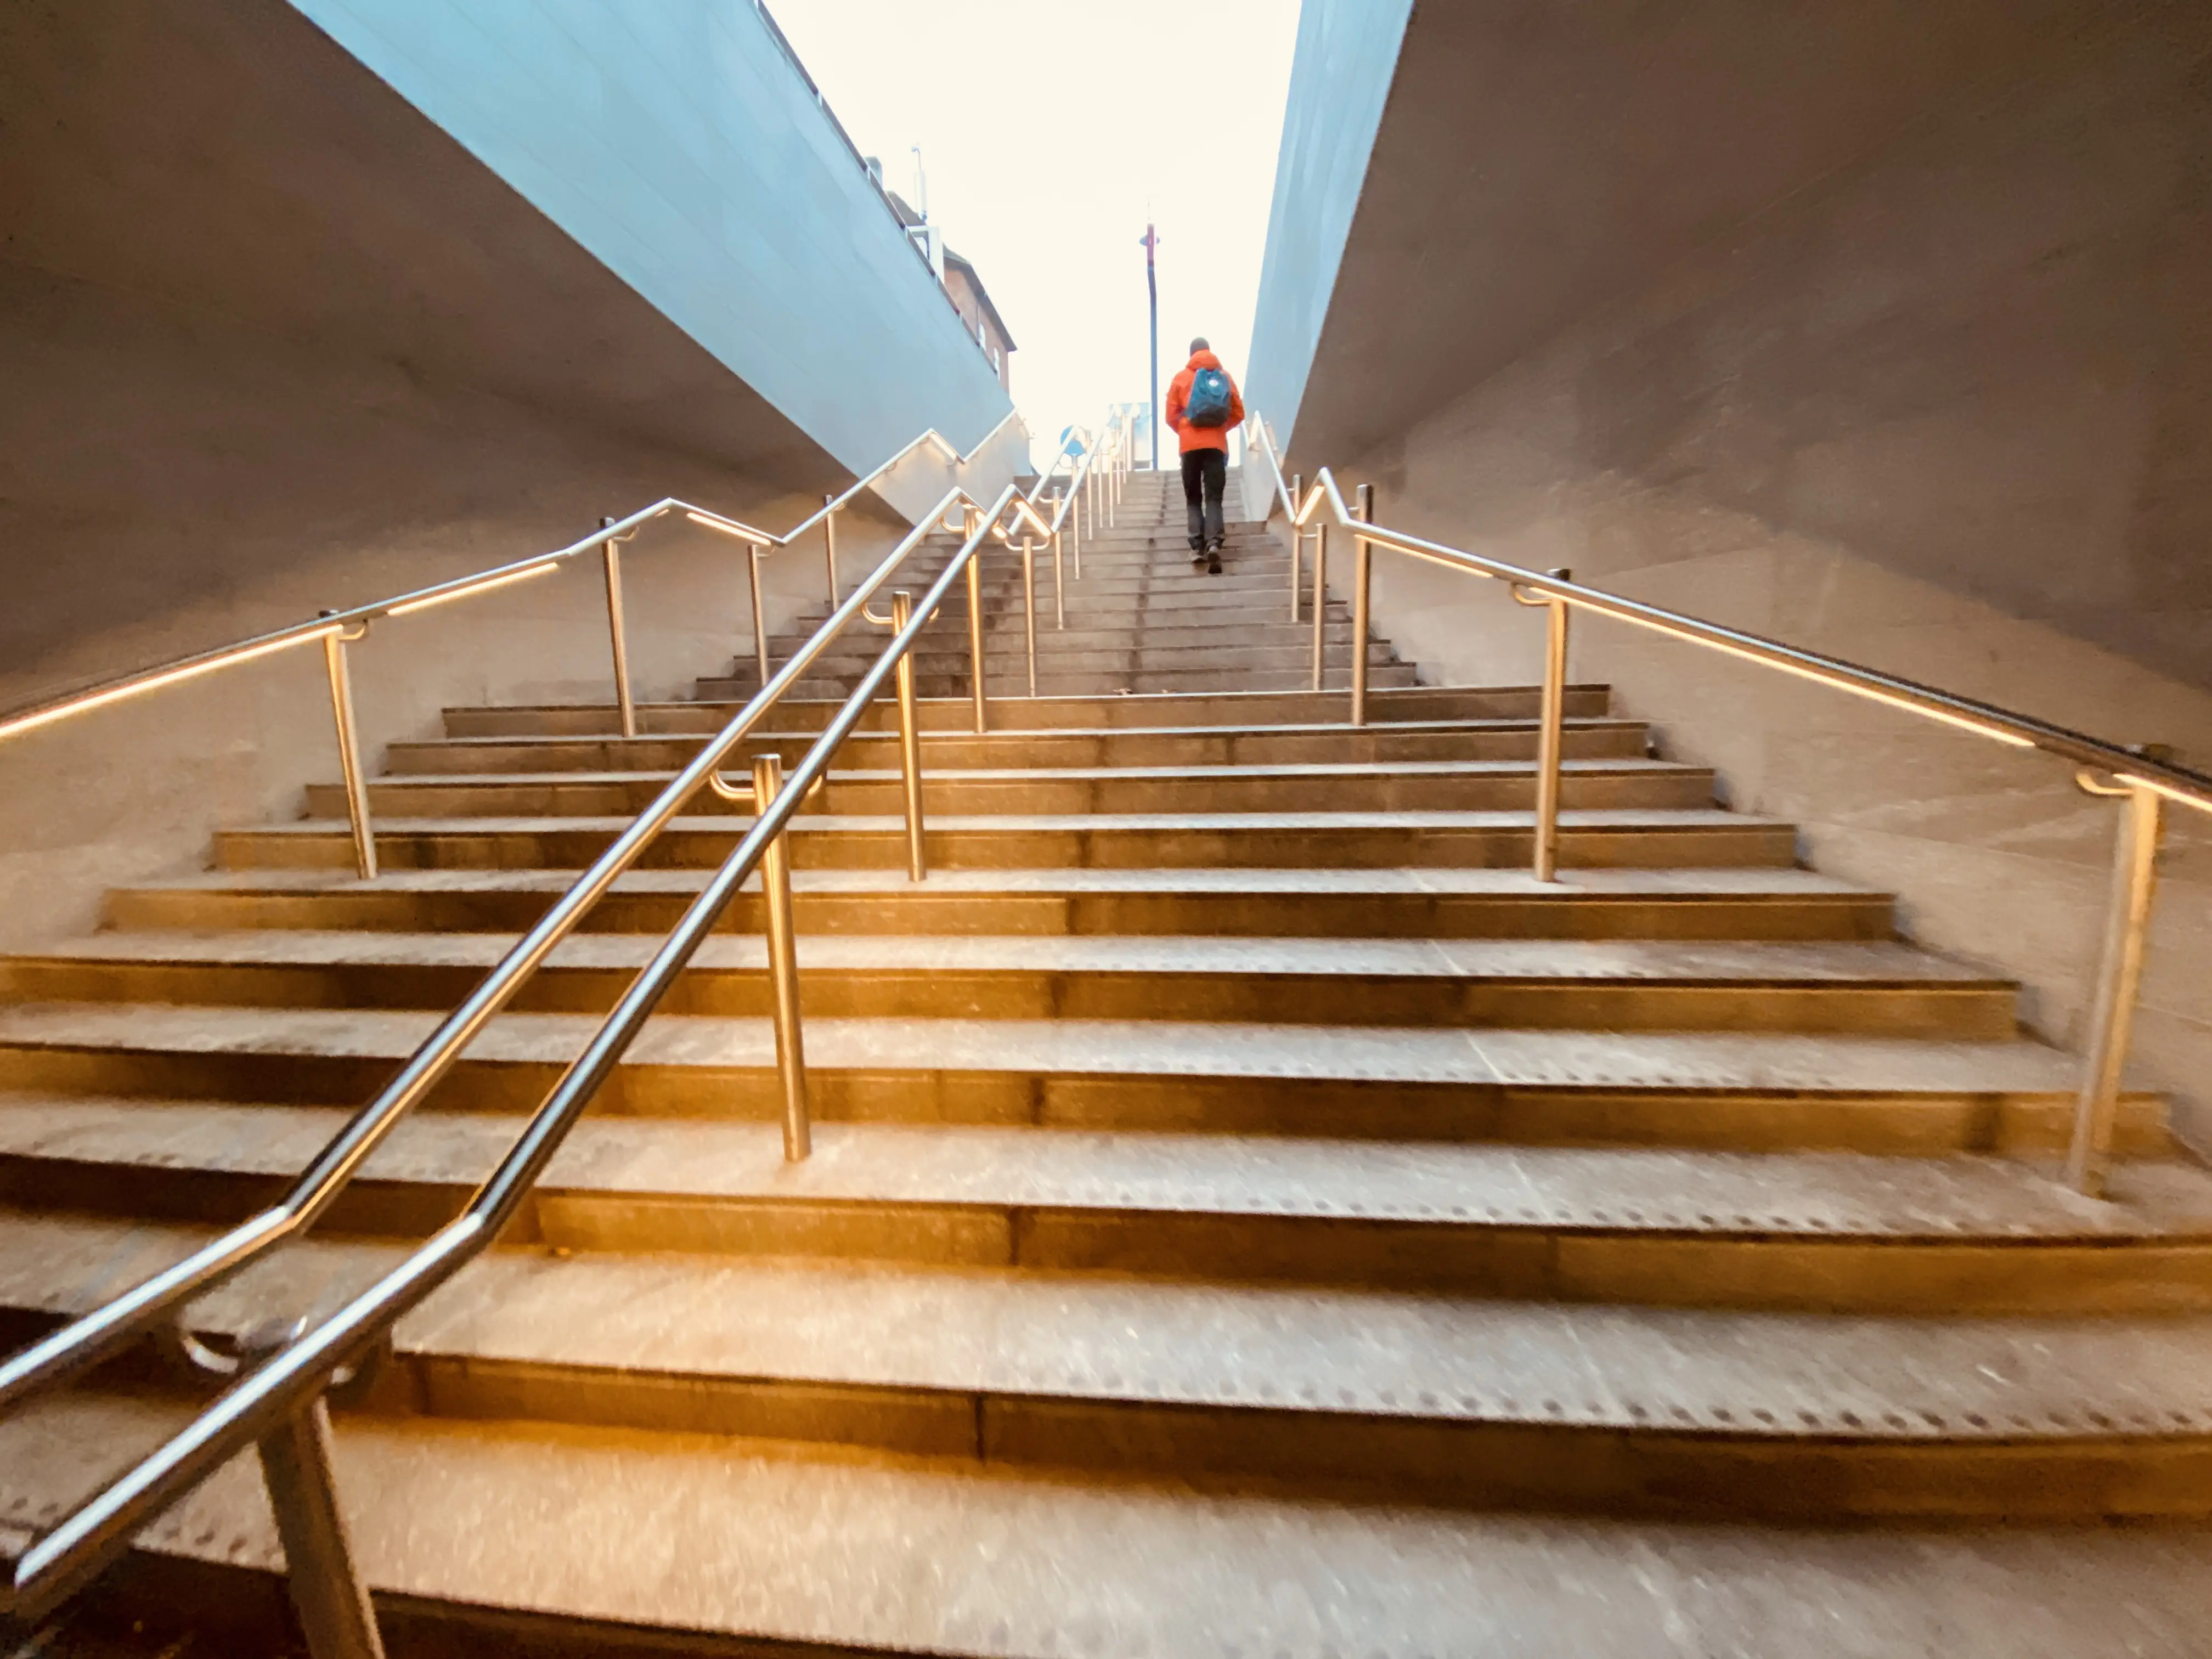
89, 1339
337, 629
1987, 720
263, 1401
2142, 775
1113, 446
332, 622
761, 541
296, 1455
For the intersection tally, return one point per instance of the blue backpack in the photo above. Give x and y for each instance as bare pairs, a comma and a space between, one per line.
1209, 398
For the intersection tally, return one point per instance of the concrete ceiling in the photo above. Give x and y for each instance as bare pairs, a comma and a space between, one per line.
1536, 159
231, 159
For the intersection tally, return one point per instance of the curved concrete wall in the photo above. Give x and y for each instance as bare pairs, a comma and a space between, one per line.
1936, 396
676, 141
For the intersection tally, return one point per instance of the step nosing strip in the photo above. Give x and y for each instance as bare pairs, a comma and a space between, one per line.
1888, 1424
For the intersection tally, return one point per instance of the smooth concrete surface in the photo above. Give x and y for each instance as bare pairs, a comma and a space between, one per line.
237, 170
1533, 162
698, 1534
682, 145
274, 344
1941, 408
139, 787
1346, 57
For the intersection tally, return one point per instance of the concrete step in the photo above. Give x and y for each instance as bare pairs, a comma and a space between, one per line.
1723, 1092
1814, 1232
1060, 655
1496, 740
661, 1544
1085, 642
1884, 989
1769, 903
1641, 838
1258, 570
1410, 785
1257, 592
1092, 626
1261, 588
1171, 529
1142, 679
1203, 611
1387, 706
1502, 1404
1168, 538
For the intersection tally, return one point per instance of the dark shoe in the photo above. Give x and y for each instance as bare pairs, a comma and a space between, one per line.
1213, 565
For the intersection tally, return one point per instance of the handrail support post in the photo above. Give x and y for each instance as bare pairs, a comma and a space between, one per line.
616, 633
1028, 605
909, 741
348, 738
1297, 540
829, 546
976, 623
783, 964
1362, 565
335, 1612
760, 614
2119, 981
1059, 566
1551, 729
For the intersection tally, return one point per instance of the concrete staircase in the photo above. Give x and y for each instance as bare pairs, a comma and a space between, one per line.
1141, 619
1247, 1214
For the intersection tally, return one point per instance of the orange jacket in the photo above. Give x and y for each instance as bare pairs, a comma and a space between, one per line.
1201, 437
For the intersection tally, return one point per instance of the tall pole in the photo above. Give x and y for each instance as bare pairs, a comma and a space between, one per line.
1152, 288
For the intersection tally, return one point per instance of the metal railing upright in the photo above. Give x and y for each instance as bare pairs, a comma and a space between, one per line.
2142, 778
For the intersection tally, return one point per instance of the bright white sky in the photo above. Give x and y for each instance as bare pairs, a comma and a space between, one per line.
1049, 128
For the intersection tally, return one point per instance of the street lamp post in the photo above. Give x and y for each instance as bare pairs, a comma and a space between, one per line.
1153, 287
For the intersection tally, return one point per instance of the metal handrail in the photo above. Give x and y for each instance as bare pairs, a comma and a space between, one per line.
1074, 434
87, 1340
2178, 783
267, 1404
263, 1401
1062, 533
2143, 776
337, 629
1065, 525
332, 624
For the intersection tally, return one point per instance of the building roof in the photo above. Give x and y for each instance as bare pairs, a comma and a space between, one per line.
907, 215
982, 295
910, 219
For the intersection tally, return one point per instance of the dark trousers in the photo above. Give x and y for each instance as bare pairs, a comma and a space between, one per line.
1204, 472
